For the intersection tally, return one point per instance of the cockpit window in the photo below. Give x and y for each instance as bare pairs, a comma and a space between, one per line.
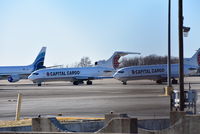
120, 72
35, 73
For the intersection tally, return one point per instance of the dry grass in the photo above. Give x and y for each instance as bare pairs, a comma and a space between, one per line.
28, 121
24, 122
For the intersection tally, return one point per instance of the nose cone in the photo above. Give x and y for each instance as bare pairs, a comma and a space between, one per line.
193, 71
116, 75
30, 77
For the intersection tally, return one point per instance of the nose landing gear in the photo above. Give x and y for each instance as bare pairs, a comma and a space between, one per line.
124, 82
89, 82
174, 81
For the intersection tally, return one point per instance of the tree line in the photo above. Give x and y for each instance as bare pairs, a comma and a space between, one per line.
147, 60
125, 62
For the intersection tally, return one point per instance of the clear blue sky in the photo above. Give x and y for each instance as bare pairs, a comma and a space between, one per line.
72, 29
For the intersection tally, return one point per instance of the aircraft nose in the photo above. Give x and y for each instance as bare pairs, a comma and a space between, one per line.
30, 77
116, 75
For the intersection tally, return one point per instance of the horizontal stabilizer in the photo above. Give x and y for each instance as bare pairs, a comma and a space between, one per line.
113, 61
121, 53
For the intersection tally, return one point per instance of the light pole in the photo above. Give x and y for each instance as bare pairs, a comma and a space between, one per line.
181, 69
169, 55
169, 44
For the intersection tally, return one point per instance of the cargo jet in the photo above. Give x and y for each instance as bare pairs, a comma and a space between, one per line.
158, 72
15, 73
102, 70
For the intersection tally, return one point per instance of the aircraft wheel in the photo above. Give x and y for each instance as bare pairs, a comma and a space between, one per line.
81, 82
159, 81
174, 81
75, 82
39, 84
124, 82
89, 82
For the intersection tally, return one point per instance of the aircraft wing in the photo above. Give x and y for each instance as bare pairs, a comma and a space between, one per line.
103, 77
80, 77
3, 76
91, 78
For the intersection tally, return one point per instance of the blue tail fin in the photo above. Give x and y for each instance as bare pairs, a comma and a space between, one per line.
39, 61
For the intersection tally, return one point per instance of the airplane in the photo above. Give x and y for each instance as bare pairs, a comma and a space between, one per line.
103, 69
158, 73
15, 73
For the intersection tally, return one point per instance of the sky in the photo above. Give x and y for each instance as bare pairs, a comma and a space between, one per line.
71, 29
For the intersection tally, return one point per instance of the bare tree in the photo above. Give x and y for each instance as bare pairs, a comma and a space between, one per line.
130, 62
85, 62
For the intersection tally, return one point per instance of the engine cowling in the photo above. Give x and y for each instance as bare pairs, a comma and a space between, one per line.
13, 78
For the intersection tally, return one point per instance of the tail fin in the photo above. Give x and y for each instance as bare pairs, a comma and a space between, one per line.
194, 60
39, 61
113, 61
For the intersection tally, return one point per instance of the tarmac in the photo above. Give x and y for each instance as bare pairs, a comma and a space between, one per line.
141, 99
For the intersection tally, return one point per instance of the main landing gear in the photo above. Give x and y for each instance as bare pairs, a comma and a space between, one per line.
39, 84
81, 82
174, 81
76, 82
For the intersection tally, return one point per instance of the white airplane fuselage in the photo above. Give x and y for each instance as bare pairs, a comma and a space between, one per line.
71, 74
153, 72
103, 69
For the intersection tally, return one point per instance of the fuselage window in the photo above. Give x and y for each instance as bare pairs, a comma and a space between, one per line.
120, 72
35, 73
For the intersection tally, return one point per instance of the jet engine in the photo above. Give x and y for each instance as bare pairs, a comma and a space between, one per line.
13, 78
99, 63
